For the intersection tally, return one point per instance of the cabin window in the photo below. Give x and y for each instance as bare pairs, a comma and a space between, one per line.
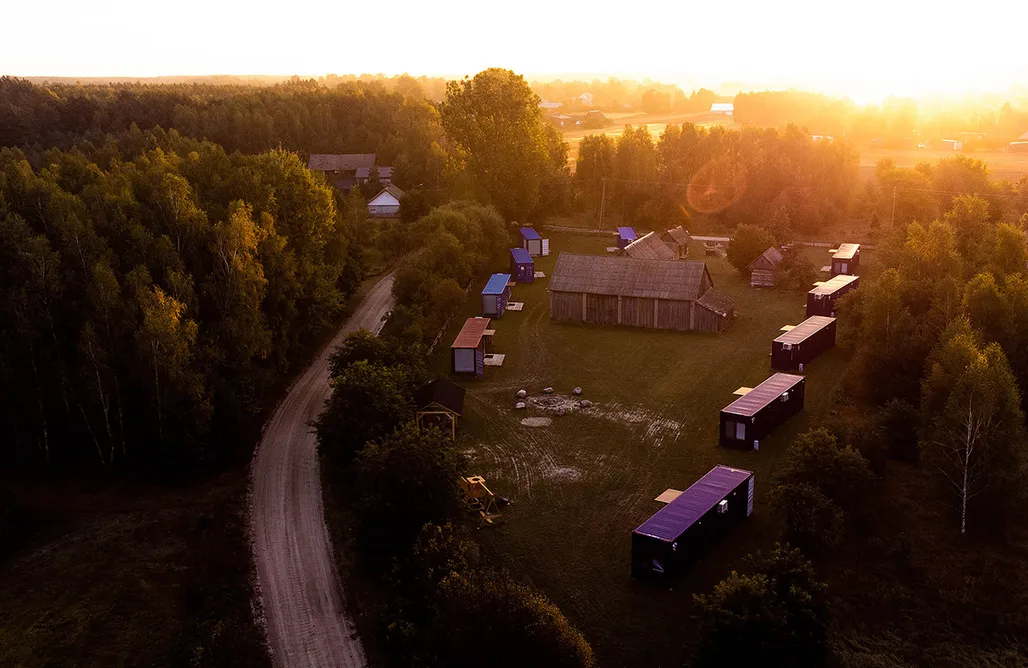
843, 267
740, 431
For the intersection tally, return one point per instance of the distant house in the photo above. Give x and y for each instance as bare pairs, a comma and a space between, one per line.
723, 108
1020, 145
677, 240
386, 204
951, 145
346, 170
586, 99
440, 403
764, 268
827, 138
626, 235
649, 247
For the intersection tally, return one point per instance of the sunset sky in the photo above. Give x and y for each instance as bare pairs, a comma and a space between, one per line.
866, 49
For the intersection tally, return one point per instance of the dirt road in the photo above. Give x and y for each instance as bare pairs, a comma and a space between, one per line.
306, 620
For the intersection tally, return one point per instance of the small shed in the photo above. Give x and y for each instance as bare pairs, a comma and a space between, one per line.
681, 531
649, 247
626, 235
522, 266
467, 354
495, 295
677, 240
386, 204
846, 260
764, 268
531, 241
757, 413
803, 343
439, 404
822, 299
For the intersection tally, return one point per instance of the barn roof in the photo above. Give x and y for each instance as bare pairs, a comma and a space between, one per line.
805, 329
718, 302
496, 285
846, 251
529, 234
679, 280
440, 391
679, 235
340, 162
833, 284
671, 521
392, 190
649, 246
521, 256
627, 233
763, 394
471, 333
771, 256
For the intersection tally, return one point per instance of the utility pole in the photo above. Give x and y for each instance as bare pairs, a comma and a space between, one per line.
892, 223
603, 201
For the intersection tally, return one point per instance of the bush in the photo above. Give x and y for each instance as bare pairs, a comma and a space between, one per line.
812, 521
748, 242
840, 474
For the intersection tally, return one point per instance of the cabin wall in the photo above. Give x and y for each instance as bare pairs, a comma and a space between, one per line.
637, 312
675, 315
464, 360
707, 321
601, 309
803, 352
764, 422
567, 306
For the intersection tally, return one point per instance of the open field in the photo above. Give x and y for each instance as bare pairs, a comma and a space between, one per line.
581, 484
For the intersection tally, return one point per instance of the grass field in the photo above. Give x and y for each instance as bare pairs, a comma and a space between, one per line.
580, 485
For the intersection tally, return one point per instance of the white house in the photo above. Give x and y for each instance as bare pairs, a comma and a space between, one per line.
725, 108
386, 204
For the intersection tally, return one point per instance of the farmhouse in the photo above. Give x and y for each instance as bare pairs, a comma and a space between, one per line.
680, 532
758, 412
522, 266
846, 260
821, 300
495, 295
677, 239
439, 404
533, 243
467, 354
626, 235
803, 343
763, 269
345, 170
723, 108
649, 247
386, 204
659, 294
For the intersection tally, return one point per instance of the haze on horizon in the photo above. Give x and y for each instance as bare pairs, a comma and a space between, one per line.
865, 50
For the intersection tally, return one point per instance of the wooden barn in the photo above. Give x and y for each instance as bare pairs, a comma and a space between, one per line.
681, 531
626, 235
763, 270
533, 243
495, 295
846, 260
822, 299
649, 247
658, 294
522, 266
803, 343
467, 354
677, 240
439, 404
758, 412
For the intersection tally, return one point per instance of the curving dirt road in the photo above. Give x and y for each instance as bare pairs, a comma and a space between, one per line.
306, 620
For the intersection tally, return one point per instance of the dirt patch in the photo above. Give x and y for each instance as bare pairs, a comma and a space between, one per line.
537, 421
556, 403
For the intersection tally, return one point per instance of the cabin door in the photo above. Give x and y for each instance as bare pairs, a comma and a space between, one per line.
546, 246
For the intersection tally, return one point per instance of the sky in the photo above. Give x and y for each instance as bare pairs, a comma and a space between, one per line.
865, 49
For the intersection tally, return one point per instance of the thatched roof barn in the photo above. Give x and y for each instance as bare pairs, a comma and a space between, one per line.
660, 294
649, 247
764, 268
677, 240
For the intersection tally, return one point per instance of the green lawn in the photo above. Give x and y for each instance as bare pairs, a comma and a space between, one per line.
581, 485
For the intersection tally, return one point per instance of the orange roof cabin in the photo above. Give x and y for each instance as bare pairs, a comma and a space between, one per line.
467, 354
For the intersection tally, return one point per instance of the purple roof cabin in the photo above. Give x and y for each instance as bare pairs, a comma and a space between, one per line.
531, 241
626, 235
680, 532
522, 266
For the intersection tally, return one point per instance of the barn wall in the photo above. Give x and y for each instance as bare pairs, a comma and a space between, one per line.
674, 315
637, 312
566, 306
708, 321
601, 309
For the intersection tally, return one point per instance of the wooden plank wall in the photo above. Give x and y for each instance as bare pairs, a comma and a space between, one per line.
634, 312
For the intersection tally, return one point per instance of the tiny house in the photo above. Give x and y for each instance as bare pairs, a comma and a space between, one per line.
803, 343
763, 270
821, 300
531, 241
467, 354
495, 295
846, 260
522, 266
682, 530
626, 235
757, 413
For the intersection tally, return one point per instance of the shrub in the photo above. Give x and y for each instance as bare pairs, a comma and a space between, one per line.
812, 521
840, 474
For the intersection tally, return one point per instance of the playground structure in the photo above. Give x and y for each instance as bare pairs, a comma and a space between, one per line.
478, 498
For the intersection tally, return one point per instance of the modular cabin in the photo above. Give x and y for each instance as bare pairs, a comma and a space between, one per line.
439, 404
757, 413
531, 241
522, 266
649, 247
822, 299
764, 269
467, 354
626, 235
803, 343
495, 295
846, 260
618, 290
681, 531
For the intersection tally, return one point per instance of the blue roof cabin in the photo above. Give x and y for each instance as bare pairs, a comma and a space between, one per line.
531, 241
522, 266
495, 295
626, 235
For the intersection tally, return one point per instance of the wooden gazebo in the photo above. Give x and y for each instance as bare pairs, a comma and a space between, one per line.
439, 403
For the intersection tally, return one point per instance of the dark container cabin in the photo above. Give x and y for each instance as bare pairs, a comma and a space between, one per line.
755, 415
522, 266
803, 343
821, 300
467, 354
531, 241
626, 235
846, 260
681, 531
495, 295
